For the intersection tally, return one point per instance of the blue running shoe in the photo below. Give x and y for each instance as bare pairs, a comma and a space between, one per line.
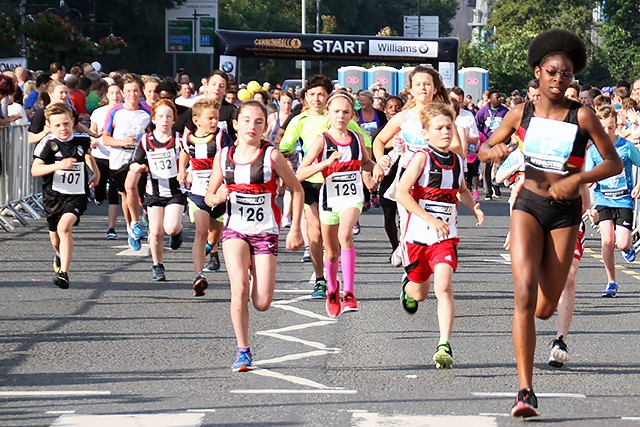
158, 273
611, 291
136, 231
111, 234
629, 255
319, 289
134, 244
200, 284
208, 248
243, 361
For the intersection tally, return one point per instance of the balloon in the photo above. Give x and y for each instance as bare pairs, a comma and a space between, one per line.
96, 65
244, 94
253, 86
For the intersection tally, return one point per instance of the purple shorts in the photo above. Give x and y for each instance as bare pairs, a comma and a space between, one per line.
259, 244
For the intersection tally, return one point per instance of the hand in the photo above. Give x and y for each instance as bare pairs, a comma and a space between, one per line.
214, 199
499, 152
593, 215
66, 163
378, 173
130, 140
477, 212
565, 188
334, 157
294, 240
440, 227
182, 177
138, 168
15, 117
384, 162
635, 193
93, 182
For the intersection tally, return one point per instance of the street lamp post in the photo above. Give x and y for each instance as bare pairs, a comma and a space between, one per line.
303, 73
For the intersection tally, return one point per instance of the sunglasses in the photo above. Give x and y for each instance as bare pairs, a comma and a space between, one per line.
565, 75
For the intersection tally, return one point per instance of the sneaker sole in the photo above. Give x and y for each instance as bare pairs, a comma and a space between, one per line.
242, 369
159, 279
609, 295
555, 364
443, 361
210, 270
561, 357
62, 284
349, 309
199, 288
318, 296
522, 410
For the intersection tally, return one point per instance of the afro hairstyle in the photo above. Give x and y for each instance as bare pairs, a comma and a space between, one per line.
558, 41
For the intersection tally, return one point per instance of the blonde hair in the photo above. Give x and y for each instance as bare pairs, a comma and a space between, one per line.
342, 95
202, 104
57, 108
435, 109
607, 111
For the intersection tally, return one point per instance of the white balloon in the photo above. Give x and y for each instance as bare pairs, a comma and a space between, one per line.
96, 65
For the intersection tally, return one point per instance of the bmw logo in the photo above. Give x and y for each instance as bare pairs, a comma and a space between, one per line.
227, 67
423, 48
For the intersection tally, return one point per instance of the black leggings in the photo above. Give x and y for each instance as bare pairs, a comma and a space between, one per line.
390, 225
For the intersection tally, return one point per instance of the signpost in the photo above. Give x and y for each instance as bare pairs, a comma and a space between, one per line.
190, 27
427, 27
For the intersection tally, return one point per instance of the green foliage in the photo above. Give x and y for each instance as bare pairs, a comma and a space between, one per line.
620, 38
9, 37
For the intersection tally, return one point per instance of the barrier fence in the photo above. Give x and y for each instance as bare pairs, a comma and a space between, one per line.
20, 196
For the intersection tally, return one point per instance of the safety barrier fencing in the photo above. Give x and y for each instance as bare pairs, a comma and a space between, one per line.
20, 196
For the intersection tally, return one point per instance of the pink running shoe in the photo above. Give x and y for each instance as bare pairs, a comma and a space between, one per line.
476, 195
333, 303
349, 303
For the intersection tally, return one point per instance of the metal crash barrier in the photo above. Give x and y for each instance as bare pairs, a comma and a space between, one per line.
18, 197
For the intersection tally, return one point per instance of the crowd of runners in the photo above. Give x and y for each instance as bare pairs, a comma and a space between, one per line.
313, 160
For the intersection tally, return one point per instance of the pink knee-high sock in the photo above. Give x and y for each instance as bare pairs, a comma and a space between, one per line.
348, 261
332, 275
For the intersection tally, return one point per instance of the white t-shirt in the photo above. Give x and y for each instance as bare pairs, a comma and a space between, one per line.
99, 116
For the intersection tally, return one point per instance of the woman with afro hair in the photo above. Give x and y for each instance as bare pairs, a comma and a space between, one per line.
553, 133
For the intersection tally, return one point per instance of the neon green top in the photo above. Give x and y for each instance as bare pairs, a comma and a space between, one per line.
307, 127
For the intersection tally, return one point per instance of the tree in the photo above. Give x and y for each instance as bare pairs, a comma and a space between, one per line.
620, 41
516, 23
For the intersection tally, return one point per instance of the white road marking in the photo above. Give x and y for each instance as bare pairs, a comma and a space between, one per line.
130, 420
144, 250
297, 356
202, 410
363, 419
292, 291
292, 300
60, 412
52, 393
302, 312
301, 326
288, 338
293, 379
506, 259
512, 394
286, 391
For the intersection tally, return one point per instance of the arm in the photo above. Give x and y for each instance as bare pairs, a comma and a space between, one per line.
367, 163
91, 162
183, 161
404, 197
493, 148
385, 135
294, 239
40, 168
467, 200
83, 129
110, 141
309, 166
290, 137
216, 192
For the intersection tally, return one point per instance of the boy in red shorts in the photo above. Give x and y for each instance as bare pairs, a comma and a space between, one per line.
428, 190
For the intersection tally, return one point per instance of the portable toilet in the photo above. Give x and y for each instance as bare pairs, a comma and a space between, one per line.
474, 81
402, 78
383, 76
352, 76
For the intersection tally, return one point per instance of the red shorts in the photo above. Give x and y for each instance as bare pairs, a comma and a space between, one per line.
421, 260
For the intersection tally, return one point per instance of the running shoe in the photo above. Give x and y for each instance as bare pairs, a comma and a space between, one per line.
134, 243
286, 222
200, 284
145, 218
476, 195
349, 303
366, 206
243, 361
356, 229
111, 234
487, 197
629, 254
396, 258
61, 280
443, 357
208, 248
333, 303
175, 241
306, 255
409, 304
375, 201
559, 353
214, 263
611, 291
56, 263
158, 273
525, 405
319, 289
136, 231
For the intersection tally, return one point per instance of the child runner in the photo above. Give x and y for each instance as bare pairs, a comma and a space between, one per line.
548, 210
613, 200
245, 178
60, 159
428, 190
340, 155
158, 154
198, 150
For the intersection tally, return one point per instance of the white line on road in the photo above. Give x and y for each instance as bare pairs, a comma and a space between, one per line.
285, 391
293, 379
60, 412
202, 410
511, 394
301, 326
144, 250
130, 420
375, 420
297, 356
292, 291
302, 312
313, 344
56, 393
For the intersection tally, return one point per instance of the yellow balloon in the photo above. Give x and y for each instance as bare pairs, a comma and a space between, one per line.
244, 94
253, 86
